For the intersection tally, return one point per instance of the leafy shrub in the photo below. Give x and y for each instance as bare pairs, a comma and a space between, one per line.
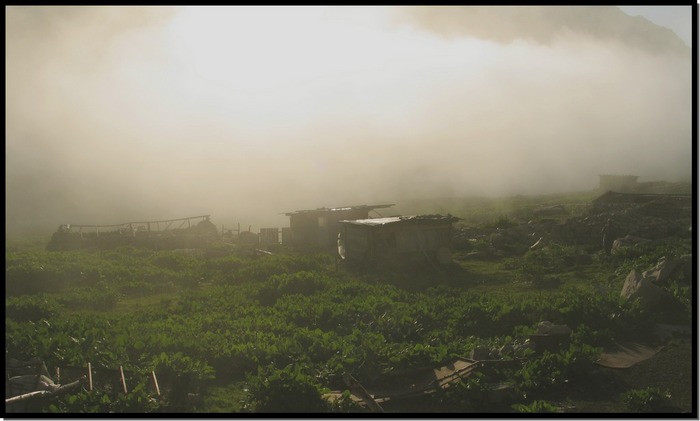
502, 222
183, 374
646, 255
302, 282
25, 273
286, 390
173, 260
30, 308
261, 269
650, 399
345, 404
557, 369
136, 401
536, 407
469, 395
548, 260
683, 296
634, 319
101, 298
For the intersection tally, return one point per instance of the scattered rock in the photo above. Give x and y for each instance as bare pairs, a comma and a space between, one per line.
637, 286
626, 241
667, 270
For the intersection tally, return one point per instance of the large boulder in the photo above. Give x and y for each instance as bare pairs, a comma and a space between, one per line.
638, 286
669, 269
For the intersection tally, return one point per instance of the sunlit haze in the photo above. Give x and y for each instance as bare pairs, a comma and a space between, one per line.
116, 114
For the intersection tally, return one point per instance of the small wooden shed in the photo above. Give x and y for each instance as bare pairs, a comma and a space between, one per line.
318, 228
397, 240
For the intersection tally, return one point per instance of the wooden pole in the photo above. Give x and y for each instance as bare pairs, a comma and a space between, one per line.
90, 377
155, 382
121, 372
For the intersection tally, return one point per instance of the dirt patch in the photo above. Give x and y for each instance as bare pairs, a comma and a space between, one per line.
626, 354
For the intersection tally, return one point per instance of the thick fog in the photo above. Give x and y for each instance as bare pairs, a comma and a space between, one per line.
116, 114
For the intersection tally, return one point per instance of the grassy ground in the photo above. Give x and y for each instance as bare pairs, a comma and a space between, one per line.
671, 369
481, 210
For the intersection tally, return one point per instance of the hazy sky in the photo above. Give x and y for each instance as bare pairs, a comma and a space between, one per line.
677, 18
134, 113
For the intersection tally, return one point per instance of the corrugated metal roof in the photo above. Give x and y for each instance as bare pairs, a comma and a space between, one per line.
416, 219
339, 208
373, 221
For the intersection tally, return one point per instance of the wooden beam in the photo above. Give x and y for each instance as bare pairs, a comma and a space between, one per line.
356, 388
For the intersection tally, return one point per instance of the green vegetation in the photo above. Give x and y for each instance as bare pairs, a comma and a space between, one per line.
227, 330
285, 390
536, 407
649, 399
481, 210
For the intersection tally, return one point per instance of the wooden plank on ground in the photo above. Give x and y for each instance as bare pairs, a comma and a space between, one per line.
356, 388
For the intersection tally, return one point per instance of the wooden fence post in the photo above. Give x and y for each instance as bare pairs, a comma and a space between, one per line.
155, 382
121, 372
90, 377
